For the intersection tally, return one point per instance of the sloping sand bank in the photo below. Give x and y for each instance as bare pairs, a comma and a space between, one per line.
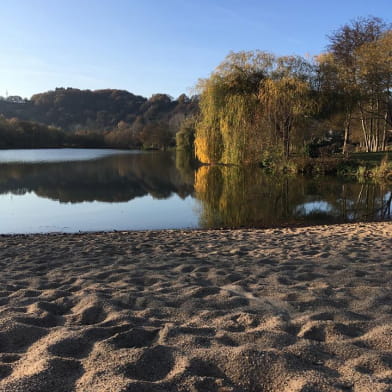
305, 309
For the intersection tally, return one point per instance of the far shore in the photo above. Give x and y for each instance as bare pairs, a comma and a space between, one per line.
250, 310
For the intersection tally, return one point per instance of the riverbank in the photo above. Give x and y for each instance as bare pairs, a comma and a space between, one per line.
363, 166
300, 309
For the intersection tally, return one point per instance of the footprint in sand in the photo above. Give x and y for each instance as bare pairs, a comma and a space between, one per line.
134, 338
154, 364
17, 337
55, 374
72, 347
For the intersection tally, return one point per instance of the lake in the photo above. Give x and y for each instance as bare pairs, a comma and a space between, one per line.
71, 190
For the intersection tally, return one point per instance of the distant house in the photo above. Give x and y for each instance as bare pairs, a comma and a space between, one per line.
15, 99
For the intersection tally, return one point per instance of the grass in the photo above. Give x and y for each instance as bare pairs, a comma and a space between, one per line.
375, 157
375, 166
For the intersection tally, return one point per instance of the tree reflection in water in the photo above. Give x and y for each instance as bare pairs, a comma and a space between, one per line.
229, 196
234, 196
115, 178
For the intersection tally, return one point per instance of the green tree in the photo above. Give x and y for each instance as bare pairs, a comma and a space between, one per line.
285, 103
229, 109
250, 104
185, 137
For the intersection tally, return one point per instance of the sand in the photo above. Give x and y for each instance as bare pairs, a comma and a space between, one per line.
300, 309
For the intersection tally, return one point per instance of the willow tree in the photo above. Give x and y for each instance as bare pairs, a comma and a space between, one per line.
208, 136
251, 104
228, 130
285, 101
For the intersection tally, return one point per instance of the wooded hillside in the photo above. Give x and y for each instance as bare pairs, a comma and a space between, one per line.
121, 118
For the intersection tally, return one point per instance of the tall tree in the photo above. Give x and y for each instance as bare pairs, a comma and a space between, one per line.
250, 104
375, 84
348, 47
229, 130
285, 103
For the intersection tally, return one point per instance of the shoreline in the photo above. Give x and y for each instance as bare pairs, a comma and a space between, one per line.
304, 225
281, 309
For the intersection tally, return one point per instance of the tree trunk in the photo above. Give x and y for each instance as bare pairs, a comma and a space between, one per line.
384, 133
347, 123
364, 129
286, 142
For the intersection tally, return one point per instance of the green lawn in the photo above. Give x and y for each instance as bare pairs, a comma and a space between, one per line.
375, 157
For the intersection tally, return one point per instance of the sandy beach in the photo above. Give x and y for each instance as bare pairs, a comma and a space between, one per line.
297, 309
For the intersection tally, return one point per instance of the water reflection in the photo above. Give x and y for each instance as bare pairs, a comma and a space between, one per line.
216, 196
114, 178
247, 197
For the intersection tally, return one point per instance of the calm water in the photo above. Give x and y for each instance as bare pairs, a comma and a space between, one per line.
87, 190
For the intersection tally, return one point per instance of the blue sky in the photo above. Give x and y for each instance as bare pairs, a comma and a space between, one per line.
151, 46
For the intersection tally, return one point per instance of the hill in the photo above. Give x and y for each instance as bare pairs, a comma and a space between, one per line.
120, 117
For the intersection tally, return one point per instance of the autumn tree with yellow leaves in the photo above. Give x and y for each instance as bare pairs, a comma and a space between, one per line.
251, 103
256, 103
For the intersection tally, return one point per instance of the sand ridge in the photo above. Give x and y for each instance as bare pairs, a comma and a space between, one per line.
301, 309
